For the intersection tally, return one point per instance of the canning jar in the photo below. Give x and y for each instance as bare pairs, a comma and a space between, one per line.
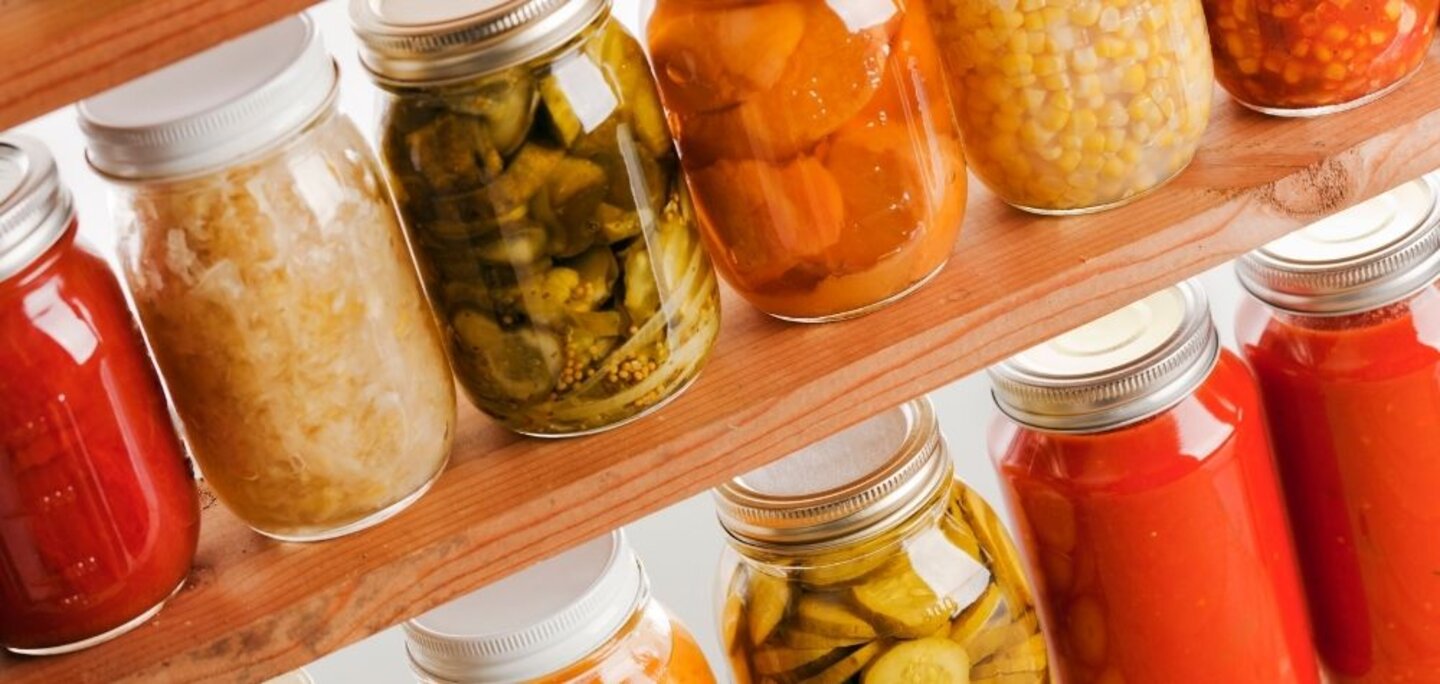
262, 250
585, 616
863, 557
1134, 453
540, 188
1075, 107
1313, 57
99, 505
820, 145
1343, 330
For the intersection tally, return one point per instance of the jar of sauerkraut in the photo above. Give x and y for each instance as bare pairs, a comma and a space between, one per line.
1075, 107
272, 279
863, 559
541, 191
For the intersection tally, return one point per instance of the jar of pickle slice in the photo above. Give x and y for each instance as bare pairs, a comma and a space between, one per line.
539, 186
819, 144
1314, 57
1077, 106
862, 559
273, 281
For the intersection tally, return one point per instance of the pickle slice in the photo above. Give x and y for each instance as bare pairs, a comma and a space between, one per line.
902, 602
563, 122
992, 535
778, 660
507, 104
817, 614
923, 661
598, 272
527, 174
976, 615
642, 294
730, 619
516, 246
797, 638
567, 204
616, 224
848, 666
769, 601
522, 364
1001, 637
1016, 678
841, 570
959, 533
1026, 656
455, 153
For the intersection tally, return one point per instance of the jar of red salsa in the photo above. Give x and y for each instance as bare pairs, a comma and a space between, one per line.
1134, 453
1312, 57
1344, 334
99, 510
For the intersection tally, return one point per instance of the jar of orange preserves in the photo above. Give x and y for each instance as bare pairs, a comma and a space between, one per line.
583, 617
1312, 57
820, 147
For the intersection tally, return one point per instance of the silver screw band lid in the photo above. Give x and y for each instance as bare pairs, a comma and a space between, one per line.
1120, 369
35, 208
428, 41
847, 486
1375, 253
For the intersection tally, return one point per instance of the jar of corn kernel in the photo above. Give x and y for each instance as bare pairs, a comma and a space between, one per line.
1313, 57
1075, 106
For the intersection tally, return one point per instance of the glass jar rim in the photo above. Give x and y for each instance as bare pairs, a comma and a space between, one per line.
36, 209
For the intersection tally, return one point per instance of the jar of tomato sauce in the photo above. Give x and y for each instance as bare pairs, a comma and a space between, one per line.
863, 558
1313, 57
819, 144
586, 615
1135, 455
1344, 333
99, 506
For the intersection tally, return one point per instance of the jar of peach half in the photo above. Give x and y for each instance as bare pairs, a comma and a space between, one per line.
819, 144
1076, 106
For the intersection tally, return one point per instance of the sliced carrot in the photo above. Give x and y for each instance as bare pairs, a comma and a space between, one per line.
709, 59
767, 219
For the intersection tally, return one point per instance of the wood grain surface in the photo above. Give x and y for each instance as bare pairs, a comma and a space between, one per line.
54, 52
255, 608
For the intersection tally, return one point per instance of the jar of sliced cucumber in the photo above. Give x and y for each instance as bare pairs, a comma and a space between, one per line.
861, 559
540, 189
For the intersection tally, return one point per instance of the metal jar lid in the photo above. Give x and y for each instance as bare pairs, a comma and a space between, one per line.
535, 622
35, 208
219, 106
1375, 253
1120, 369
847, 487
428, 41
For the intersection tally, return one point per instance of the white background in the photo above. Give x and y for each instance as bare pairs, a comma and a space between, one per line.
680, 546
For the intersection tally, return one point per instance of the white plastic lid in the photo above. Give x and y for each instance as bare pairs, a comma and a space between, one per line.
1372, 254
1118, 369
534, 622
220, 105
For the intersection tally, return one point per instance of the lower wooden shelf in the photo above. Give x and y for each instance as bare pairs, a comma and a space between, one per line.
255, 608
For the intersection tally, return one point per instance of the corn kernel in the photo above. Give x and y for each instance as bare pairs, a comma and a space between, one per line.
1052, 15
1085, 61
1050, 152
1054, 82
1082, 180
1005, 124
1094, 143
1113, 114
1109, 19
1034, 21
1046, 65
1114, 168
1133, 80
1019, 42
1085, 13
1114, 140
1068, 161
1130, 153
1088, 85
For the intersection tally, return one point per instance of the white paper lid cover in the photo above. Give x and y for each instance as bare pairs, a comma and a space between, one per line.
1372, 254
1115, 370
534, 622
222, 104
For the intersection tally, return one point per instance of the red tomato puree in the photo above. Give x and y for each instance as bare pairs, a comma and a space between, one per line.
1161, 549
1355, 408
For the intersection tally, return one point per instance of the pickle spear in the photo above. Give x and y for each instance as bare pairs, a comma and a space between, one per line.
769, 601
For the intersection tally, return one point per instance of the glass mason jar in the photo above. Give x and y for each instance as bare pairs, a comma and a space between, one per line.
1343, 330
1134, 453
586, 615
1076, 107
820, 145
539, 185
1313, 57
272, 279
862, 557
100, 511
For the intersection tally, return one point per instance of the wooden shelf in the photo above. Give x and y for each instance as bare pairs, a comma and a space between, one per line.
255, 608
54, 52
